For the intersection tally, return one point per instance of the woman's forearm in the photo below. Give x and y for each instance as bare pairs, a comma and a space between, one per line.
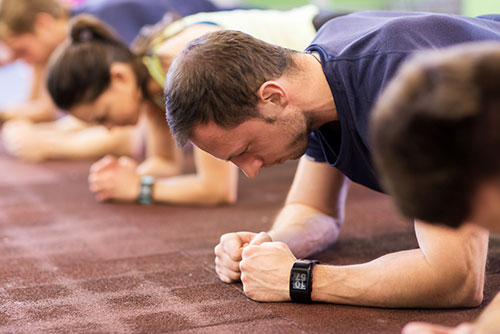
193, 190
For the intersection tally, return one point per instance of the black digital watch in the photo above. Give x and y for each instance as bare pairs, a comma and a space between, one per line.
301, 280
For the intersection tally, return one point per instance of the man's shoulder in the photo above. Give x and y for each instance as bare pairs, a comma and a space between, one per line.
375, 20
379, 32
360, 33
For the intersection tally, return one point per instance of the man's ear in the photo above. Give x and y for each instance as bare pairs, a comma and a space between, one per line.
121, 72
273, 92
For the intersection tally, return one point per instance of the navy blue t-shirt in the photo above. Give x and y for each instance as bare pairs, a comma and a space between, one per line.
360, 53
127, 17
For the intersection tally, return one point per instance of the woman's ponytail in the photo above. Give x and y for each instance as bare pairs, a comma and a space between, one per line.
86, 28
79, 70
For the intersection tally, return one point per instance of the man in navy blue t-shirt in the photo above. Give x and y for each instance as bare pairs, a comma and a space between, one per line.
257, 105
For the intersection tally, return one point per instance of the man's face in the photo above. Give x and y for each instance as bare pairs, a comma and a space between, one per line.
29, 48
255, 143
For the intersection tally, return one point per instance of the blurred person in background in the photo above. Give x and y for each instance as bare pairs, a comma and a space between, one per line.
126, 87
32, 29
436, 144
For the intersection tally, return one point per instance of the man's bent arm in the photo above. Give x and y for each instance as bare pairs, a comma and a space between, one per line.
447, 271
314, 210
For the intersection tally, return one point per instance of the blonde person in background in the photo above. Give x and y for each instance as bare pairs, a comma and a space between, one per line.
30, 30
125, 87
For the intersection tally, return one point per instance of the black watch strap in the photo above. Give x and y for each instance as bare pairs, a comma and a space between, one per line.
301, 280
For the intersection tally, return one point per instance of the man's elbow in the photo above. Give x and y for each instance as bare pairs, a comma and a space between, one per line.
461, 269
472, 288
472, 267
464, 286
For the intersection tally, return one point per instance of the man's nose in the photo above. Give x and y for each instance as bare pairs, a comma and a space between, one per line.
249, 165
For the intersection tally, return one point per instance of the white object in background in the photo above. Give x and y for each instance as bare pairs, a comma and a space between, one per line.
15, 83
226, 3
5, 54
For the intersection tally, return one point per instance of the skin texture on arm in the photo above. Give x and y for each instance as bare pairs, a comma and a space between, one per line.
39, 108
314, 209
66, 138
215, 182
446, 271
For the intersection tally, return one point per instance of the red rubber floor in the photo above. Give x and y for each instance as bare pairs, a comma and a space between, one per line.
71, 265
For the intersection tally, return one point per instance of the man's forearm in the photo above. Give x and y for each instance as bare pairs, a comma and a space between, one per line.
305, 230
412, 278
400, 279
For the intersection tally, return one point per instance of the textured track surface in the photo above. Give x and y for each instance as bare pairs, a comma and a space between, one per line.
70, 264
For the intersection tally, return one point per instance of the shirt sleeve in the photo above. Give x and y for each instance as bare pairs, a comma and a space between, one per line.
314, 149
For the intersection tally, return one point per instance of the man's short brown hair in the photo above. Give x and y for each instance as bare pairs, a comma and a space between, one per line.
216, 78
436, 131
18, 16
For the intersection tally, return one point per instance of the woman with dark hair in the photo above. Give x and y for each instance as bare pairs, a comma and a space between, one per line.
99, 80
30, 31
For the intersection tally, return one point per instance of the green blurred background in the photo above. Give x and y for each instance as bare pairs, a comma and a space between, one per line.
465, 7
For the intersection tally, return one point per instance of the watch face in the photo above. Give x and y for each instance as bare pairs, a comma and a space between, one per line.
299, 280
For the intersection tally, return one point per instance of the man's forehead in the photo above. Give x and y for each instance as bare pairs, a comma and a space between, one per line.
217, 132
214, 139
208, 135
208, 130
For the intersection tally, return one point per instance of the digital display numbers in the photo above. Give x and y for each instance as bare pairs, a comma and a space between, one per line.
299, 280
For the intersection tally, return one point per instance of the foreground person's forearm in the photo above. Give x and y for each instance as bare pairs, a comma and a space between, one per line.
452, 276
